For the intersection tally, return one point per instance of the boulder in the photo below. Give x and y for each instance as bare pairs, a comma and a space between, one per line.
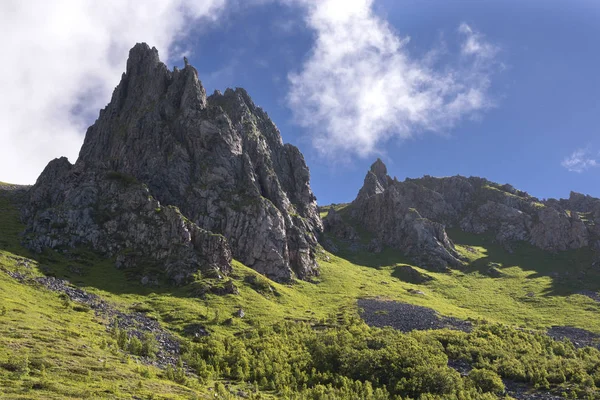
334, 225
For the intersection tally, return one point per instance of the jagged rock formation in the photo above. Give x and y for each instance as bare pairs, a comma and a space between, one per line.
412, 215
382, 208
218, 159
585, 208
71, 206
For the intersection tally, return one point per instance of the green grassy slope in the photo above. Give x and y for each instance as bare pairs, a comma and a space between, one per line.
48, 349
52, 349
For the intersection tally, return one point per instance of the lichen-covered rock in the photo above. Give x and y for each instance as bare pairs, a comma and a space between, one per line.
220, 160
113, 214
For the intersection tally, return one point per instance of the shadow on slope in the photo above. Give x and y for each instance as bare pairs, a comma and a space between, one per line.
571, 272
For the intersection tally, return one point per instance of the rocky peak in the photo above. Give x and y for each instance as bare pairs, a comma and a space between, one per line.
385, 208
220, 160
376, 180
148, 92
379, 169
142, 60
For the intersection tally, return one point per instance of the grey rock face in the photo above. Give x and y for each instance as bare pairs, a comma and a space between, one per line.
386, 212
557, 230
412, 215
577, 202
376, 181
335, 225
111, 213
508, 223
220, 160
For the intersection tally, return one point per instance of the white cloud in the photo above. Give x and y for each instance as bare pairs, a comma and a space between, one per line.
475, 44
360, 86
61, 61
581, 160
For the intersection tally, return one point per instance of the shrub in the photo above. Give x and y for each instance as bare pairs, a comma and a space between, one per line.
149, 346
487, 381
135, 346
81, 308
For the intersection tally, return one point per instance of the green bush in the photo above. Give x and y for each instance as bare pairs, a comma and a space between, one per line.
149, 346
487, 381
135, 346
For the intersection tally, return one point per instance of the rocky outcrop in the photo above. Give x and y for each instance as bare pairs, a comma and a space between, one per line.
376, 181
585, 210
507, 223
113, 214
412, 216
334, 224
220, 160
577, 202
515, 216
386, 212
558, 230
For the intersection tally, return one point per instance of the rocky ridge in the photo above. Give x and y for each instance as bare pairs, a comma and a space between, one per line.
182, 179
413, 216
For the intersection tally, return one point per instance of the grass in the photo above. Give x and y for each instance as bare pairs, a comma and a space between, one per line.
53, 350
49, 350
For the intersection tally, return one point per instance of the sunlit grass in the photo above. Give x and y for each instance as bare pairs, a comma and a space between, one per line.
79, 358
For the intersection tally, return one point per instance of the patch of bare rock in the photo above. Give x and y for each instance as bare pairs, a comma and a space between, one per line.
579, 337
406, 317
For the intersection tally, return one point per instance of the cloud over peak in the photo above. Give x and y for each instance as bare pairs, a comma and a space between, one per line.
361, 87
63, 60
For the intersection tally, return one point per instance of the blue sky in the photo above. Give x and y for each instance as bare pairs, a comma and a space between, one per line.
531, 68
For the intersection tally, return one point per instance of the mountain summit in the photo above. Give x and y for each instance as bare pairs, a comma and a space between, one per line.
217, 163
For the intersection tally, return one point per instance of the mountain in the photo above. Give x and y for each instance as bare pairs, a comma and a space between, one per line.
170, 178
429, 288
413, 215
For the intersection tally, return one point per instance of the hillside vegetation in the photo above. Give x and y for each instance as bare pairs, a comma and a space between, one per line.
304, 340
